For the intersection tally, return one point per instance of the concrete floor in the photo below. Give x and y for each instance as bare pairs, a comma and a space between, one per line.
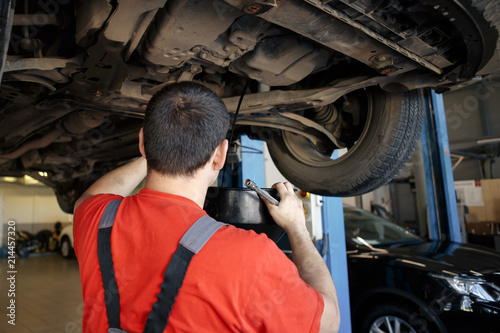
48, 295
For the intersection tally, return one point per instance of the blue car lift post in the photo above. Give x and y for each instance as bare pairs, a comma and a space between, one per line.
443, 222
336, 258
252, 167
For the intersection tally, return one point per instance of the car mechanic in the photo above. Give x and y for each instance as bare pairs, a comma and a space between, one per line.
239, 281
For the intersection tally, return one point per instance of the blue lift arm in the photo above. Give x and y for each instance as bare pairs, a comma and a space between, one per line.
441, 197
336, 258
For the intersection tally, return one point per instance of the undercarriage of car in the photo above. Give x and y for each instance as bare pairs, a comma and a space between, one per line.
320, 75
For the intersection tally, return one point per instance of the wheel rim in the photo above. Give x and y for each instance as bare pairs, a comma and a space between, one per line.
65, 248
304, 150
391, 324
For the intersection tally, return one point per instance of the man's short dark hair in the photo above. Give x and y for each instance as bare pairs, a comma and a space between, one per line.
184, 123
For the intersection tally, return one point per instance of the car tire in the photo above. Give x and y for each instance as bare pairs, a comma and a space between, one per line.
387, 317
67, 250
392, 128
487, 18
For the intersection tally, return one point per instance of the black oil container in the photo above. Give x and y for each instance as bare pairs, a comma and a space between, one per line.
242, 208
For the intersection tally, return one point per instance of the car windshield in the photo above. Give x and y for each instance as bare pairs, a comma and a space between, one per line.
365, 228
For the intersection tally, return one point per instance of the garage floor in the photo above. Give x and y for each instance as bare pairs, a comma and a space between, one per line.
48, 295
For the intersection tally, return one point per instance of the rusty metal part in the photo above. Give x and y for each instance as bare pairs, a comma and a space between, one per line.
259, 6
174, 38
106, 68
189, 73
346, 19
312, 124
83, 121
44, 141
113, 109
44, 64
318, 135
296, 99
46, 113
317, 25
36, 19
35, 79
293, 100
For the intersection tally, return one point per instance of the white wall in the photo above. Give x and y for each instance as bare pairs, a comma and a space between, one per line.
270, 171
472, 114
32, 207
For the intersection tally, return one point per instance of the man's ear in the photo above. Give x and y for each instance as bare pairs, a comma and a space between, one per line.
141, 142
220, 155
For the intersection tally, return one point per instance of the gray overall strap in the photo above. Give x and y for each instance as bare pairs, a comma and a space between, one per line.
192, 242
111, 295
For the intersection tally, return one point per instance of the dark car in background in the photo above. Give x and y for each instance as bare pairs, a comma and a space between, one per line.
399, 282
317, 76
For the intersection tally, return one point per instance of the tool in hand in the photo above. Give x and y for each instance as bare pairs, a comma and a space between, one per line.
263, 194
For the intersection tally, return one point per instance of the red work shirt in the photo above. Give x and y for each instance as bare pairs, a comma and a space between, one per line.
239, 281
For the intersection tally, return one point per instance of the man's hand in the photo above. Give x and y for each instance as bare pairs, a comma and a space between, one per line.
290, 213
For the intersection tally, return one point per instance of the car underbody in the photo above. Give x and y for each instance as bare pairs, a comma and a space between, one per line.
78, 75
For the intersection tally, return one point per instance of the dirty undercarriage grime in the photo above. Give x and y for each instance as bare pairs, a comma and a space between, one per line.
77, 75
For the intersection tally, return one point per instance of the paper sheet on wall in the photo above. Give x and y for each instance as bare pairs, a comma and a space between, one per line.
469, 192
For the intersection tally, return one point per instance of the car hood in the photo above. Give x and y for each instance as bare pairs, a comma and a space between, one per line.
441, 257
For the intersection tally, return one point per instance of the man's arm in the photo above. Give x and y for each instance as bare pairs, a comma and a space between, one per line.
312, 269
121, 181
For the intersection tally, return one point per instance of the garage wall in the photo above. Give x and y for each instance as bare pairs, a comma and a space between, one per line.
32, 207
473, 113
272, 174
